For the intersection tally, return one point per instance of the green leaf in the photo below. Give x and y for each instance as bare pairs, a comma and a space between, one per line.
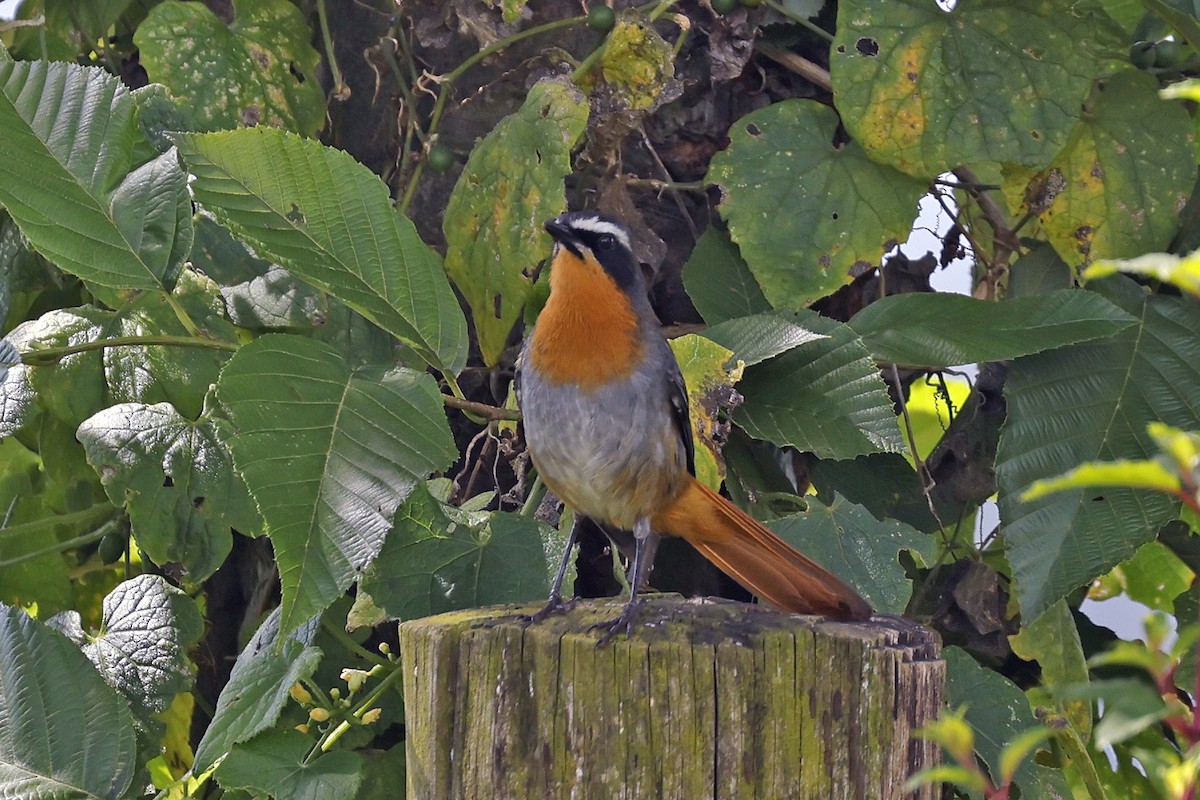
329, 453
823, 396
1016, 751
440, 559
260, 70
258, 687
848, 541
1084, 402
142, 647
942, 330
1115, 191
63, 731
797, 204
277, 763
1052, 640
1130, 706
760, 337
1182, 271
511, 184
996, 709
65, 178
1094, 474
1181, 21
17, 396
926, 89
719, 281
1155, 576
176, 480
330, 221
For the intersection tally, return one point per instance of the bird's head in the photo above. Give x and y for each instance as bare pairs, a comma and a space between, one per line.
592, 240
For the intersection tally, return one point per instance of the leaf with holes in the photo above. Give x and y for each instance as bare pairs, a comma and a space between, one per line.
1116, 190
329, 453
258, 70
176, 480
807, 214
927, 89
512, 184
1086, 402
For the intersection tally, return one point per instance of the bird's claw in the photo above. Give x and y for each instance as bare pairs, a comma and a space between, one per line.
555, 605
614, 626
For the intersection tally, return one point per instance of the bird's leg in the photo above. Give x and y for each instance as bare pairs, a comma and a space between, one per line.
555, 604
645, 543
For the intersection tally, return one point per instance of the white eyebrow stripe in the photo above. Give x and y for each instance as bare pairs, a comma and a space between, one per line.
597, 225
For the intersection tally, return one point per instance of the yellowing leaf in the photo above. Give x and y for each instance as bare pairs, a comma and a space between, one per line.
511, 185
709, 387
1182, 271
1123, 473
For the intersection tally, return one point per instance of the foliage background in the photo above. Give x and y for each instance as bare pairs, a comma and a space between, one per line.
264, 267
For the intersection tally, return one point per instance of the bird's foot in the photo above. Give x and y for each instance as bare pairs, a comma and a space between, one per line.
555, 605
624, 622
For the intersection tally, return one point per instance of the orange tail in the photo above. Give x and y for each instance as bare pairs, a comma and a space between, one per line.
756, 558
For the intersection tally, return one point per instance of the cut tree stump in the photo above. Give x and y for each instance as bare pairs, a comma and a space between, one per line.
708, 699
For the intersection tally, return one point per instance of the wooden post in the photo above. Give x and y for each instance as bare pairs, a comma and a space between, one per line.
708, 699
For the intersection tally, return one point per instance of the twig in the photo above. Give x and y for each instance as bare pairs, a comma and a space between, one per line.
483, 410
798, 64
1004, 238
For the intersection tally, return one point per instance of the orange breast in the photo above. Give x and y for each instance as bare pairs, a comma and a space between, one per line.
588, 332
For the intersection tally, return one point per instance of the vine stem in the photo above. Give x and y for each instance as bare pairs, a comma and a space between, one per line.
334, 70
446, 83
51, 355
339, 633
94, 513
184, 318
58, 547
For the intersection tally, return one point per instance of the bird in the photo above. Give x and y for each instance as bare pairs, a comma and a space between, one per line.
605, 416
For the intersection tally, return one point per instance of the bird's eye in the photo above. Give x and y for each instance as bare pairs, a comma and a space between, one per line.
606, 241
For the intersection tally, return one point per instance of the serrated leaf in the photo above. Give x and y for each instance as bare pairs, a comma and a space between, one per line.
926, 89
808, 215
65, 178
1115, 191
330, 221
512, 183
175, 478
329, 453
824, 396
709, 380
438, 559
760, 337
1053, 641
258, 686
64, 732
258, 70
719, 282
995, 708
1085, 402
848, 541
925, 329
141, 650
277, 764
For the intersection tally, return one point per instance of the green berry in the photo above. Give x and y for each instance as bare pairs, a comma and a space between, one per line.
601, 18
112, 547
441, 158
724, 6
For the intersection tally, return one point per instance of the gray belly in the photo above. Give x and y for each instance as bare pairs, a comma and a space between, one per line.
612, 454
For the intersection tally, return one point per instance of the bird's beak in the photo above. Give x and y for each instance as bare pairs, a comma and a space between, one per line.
564, 236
